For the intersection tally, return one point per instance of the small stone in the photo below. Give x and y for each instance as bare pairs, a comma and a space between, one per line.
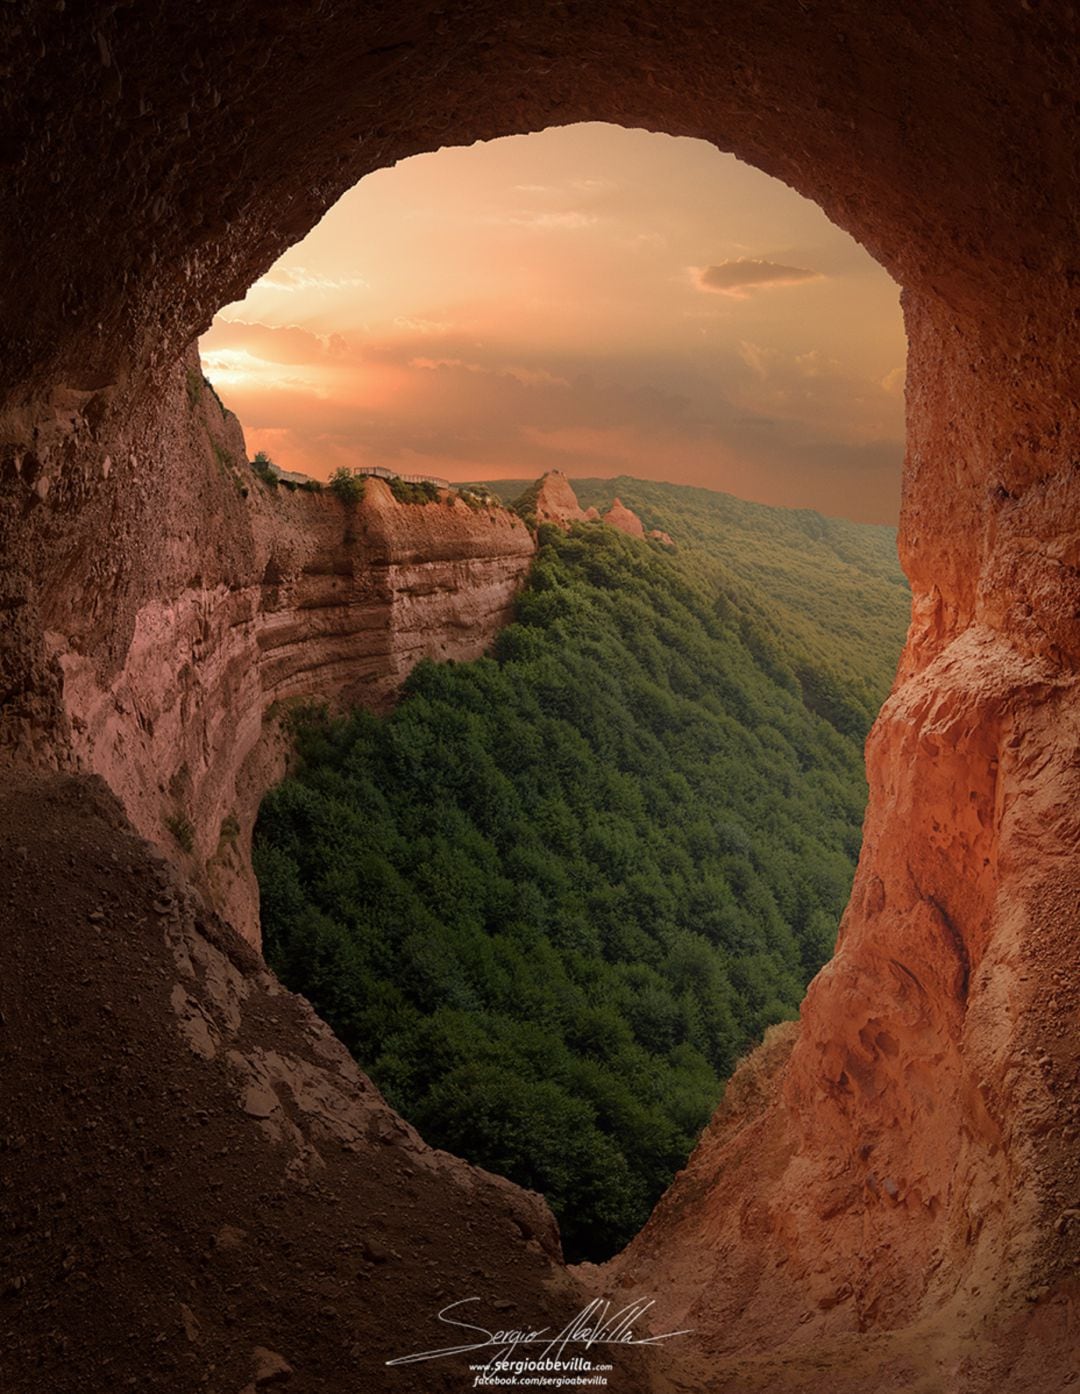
269, 1366
191, 1323
259, 1102
96, 916
163, 907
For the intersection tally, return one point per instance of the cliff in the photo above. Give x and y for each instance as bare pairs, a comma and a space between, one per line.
168, 687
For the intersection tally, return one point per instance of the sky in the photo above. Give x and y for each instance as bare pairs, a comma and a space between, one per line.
591, 299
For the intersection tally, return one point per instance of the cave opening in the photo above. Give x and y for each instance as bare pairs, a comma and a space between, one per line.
926, 1108
538, 979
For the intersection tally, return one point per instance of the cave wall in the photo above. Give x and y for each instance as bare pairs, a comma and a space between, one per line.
912, 1150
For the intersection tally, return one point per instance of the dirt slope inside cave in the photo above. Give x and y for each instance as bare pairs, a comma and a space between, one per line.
193, 1167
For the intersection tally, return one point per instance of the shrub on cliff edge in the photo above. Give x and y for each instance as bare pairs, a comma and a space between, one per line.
349, 487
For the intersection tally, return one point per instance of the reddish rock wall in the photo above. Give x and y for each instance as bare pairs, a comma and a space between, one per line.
215, 598
904, 1162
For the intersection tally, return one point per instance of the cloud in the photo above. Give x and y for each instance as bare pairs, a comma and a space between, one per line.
598, 184
569, 220
745, 275
527, 377
289, 279
274, 343
818, 392
414, 325
236, 369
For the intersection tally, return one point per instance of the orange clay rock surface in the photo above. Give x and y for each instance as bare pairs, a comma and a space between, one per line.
624, 519
556, 502
886, 1200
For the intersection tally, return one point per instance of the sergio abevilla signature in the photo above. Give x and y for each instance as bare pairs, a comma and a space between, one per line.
517, 1351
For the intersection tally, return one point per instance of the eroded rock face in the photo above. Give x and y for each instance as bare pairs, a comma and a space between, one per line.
624, 519
905, 1162
898, 1180
214, 599
557, 503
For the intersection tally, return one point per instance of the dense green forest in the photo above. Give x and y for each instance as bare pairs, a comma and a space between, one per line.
828, 592
551, 898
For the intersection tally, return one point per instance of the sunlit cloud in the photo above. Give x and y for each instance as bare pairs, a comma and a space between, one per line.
292, 279
236, 368
276, 343
527, 377
745, 275
569, 220
413, 325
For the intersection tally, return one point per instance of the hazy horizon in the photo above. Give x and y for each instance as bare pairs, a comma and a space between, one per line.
574, 478
591, 299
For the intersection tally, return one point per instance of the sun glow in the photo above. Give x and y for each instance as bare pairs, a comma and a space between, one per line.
589, 298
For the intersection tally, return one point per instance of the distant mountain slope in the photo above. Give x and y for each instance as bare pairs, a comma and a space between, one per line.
550, 899
829, 591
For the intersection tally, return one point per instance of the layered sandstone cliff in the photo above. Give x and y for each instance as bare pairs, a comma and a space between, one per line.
218, 598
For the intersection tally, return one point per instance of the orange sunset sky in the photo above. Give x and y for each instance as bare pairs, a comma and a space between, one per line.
592, 299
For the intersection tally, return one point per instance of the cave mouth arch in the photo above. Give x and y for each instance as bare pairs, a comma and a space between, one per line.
946, 144
269, 127
546, 201
267, 131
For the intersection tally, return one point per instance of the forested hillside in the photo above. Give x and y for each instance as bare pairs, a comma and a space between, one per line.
551, 898
829, 592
